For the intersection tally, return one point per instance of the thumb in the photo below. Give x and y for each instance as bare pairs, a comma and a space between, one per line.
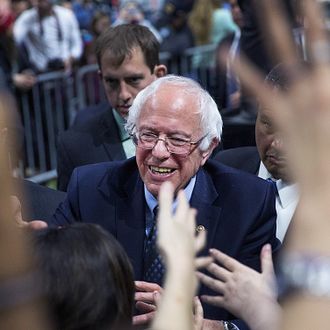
157, 297
267, 267
36, 224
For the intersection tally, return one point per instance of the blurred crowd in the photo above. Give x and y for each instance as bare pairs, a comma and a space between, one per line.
57, 39
153, 225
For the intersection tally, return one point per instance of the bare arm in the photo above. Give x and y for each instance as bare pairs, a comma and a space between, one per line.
178, 245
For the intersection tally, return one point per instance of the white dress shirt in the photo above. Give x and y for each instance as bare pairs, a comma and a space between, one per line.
286, 202
42, 39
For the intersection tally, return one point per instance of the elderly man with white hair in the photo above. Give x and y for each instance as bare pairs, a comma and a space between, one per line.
175, 125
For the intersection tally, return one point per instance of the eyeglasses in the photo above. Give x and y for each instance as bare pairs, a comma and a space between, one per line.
178, 146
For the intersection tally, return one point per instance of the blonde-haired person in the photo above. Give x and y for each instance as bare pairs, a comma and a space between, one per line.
210, 23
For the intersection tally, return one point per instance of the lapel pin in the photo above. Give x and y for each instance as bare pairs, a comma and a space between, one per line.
200, 228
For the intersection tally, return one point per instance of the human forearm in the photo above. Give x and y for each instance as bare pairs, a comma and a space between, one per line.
177, 299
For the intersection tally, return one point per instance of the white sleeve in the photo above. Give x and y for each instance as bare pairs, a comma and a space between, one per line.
76, 45
21, 27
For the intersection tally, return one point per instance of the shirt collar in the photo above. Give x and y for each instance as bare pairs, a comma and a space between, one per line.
152, 202
287, 193
263, 173
120, 121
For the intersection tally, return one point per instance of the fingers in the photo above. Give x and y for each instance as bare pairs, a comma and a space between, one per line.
144, 307
165, 200
36, 225
157, 297
217, 301
219, 272
147, 297
252, 79
198, 314
203, 262
182, 208
16, 209
316, 34
184, 214
226, 261
143, 318
213, 284
147, 286
275, 22
266, 259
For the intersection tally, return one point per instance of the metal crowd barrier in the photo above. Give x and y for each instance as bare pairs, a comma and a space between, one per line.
51, 105
45, 110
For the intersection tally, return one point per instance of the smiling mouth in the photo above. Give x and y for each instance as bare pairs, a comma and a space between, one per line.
161, 170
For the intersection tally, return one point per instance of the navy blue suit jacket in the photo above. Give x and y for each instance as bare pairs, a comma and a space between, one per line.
92, 141
237, 209
38, 202
246, 159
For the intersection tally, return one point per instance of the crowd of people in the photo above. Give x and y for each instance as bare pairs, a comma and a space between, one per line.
153, 225
46, 36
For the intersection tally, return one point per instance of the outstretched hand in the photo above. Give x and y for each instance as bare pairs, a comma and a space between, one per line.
242, 291
178, 243
147, 296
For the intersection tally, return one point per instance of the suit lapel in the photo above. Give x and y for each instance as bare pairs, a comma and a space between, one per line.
125, 191
253, 162
207, 201
109, 135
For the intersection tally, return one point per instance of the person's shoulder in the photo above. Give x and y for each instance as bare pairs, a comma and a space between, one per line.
33, 187
63, 11
115, 169
90, 126
242, 158
91, 114
236, 153
222, 13
226, 175
37, 201
27, 14
114, 174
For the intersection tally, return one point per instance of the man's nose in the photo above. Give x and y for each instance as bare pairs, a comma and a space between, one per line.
124, 93
160, 150
277, 141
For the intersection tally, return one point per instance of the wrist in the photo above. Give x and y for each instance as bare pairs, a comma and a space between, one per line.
212, 325
304, 273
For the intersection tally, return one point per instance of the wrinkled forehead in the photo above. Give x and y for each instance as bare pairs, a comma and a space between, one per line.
172, 96
170, 106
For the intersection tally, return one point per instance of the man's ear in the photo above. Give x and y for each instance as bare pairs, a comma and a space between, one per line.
99, 72
160, 70
208, 152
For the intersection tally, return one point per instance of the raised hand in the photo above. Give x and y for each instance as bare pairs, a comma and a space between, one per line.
244, 292
179, 245
303, 114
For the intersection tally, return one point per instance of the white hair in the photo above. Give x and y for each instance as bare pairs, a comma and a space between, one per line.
210, 118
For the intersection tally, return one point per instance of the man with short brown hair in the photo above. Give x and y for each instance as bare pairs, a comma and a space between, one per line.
128, 58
